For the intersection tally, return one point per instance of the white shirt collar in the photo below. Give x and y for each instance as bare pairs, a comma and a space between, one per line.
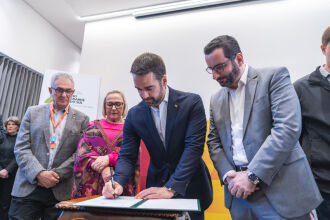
166, 95
323, 71
243, 78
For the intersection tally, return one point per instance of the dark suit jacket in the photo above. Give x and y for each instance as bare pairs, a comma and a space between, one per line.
7, 157
314, 95
2, 131
180, 166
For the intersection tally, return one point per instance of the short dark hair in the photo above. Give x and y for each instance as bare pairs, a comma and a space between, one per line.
149, 62
228, 43
326, 37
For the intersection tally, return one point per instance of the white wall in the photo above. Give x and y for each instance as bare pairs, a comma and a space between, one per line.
31, 40
270, 33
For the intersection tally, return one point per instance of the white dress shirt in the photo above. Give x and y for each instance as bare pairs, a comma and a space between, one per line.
236, 106
159, 115
325, 73
58, 134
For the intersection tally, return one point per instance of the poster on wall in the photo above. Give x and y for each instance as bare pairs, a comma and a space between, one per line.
86, 96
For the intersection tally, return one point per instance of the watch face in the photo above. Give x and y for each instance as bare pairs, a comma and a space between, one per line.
253, 178
256, 181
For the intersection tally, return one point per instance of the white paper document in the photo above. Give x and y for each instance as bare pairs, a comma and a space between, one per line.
102, 202
128, 202
171, 204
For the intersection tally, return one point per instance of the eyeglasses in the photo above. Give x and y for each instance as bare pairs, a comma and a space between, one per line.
116, 104
60, 91
219, 68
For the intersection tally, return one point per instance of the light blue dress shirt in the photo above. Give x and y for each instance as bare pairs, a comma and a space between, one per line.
159, 115
58, 134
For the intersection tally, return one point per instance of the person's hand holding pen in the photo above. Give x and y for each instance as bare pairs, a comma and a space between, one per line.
112, 189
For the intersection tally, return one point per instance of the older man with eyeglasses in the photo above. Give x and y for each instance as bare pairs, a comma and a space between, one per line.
44, 151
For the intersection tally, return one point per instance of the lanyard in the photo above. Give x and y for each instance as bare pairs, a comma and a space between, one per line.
53, 118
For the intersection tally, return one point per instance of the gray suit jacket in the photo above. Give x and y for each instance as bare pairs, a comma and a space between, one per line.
271, 129
32, 150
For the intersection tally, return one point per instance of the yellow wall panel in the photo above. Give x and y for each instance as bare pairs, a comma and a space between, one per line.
217, 210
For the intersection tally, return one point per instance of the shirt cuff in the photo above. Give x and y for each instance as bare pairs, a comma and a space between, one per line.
113, 156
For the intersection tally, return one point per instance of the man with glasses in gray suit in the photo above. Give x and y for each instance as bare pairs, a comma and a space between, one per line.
44, 151
255, 124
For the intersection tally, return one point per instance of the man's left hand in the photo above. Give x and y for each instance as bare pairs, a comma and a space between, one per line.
240, 186
155, 193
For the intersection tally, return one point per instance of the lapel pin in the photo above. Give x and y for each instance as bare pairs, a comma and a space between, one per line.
175, 105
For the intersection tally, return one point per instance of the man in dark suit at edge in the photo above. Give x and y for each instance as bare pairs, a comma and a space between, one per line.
313, 92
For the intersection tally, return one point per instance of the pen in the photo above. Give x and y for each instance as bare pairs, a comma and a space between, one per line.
112, 181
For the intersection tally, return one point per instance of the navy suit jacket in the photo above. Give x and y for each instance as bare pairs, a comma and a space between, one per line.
178, 165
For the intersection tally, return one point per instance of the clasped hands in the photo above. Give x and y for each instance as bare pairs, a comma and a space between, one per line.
48, 178
150, 193
239, 184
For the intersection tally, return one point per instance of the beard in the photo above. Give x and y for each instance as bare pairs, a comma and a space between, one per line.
151, 101
231, 77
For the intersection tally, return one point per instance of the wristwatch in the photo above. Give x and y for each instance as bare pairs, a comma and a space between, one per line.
253, 178
171, 190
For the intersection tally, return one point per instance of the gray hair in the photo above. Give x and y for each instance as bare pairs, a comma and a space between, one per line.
60, 75
14, 119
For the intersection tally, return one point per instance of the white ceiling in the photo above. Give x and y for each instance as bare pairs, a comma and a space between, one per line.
64, 14
94, 7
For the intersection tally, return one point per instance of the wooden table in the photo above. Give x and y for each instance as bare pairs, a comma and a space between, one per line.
83, 213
